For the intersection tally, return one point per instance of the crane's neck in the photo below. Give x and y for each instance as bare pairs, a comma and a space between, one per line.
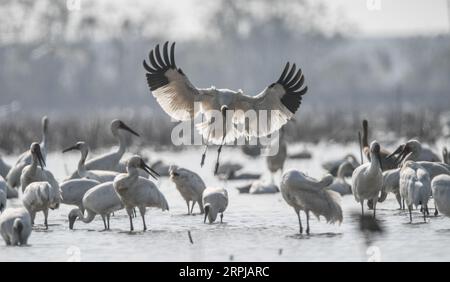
341, 171
121, 139
44, 137
34, 163
90, 216
374, 164
81, 164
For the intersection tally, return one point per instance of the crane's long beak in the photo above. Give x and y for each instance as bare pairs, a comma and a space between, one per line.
149, 170
398, 150
402, 156
127, 128
40, 158
74, 147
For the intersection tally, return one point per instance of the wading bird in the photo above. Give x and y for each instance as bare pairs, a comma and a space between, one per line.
101, 199
367, 179
304, 193
97, 175
332, 166
136, 191
339, 184
415, 186
441, 193
259, 187
41, 196
391, 184
215, 201
31, 173
177, 96
386, 161
14, 174
414, 151
15, 226
110, 161
189, 184
73, 191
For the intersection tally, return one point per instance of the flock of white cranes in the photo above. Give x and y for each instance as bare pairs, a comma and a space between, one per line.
108, 183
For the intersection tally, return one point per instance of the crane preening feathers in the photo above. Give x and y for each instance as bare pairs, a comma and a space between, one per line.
181, 100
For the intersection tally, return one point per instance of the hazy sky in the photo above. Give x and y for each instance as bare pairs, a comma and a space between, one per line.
395, 17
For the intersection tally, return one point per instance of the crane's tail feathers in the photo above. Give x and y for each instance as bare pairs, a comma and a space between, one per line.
334, 211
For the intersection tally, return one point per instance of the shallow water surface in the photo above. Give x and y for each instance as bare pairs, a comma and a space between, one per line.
256, 227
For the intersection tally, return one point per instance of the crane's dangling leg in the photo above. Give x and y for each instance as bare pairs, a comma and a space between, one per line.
218, 153
206, 147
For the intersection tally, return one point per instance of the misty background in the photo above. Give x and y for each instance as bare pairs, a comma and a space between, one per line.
80, 63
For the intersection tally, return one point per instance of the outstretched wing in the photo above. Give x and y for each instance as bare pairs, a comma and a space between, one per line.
279, 102
170, 86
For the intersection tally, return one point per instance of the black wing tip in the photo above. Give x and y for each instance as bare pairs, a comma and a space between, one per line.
158, 64
292, 80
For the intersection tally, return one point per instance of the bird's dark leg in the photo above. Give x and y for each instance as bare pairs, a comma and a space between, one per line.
426, 209
362, 207
192, 208
435, 210
218, 153
206, 148
131, 223
107, 219
299, 221
104, 222
374, 201
425, 212
410, 214
307, 222
45, 220
187, 203
221, 218
403, 204
399, 200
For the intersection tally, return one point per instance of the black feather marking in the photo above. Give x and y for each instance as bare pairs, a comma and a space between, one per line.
158, 57
283, 73
166, 54
172, 56
153, 61
290, 74
292, 81
147, 67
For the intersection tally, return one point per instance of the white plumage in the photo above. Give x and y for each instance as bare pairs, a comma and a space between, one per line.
367, 179
224, 110
189, 184
97, 175
391, 184
136, 191
215, 201
260, 187
110, 161
25, 158
304, 193
73, 191
33, 172
441, 193
339, 184
3, 195
41, 196
15, 226
4, 168
101, 199
415, 186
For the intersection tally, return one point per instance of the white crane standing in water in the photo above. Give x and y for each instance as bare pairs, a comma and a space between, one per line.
367, 179
24, 159
304, 193
189, 184
136, 191
110, 161
441, 193
97, 175
177, 96
101, 199
415, 186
